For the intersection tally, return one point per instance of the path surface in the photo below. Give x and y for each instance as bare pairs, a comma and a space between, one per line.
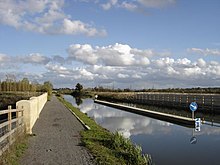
57, 140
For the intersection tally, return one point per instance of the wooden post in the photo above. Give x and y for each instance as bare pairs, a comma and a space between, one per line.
203, 102
194, 98
9, 123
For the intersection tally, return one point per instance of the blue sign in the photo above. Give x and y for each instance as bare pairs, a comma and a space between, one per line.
193, 106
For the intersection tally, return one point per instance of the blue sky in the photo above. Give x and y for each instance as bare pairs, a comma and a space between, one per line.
120, 43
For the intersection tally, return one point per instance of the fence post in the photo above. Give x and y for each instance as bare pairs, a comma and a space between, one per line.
203, 102
9, 123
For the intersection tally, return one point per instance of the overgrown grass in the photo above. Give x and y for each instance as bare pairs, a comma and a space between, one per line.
12, 156
106, 147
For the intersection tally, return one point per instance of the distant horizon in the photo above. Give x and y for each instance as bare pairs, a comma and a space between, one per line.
141, 44
115, 89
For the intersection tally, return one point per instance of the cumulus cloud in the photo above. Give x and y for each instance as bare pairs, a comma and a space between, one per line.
23, 62
122, 64
112, 55
118, 65
58, 69
204, 52
43, 16
34, 58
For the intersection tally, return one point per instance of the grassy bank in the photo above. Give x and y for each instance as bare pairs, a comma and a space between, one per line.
12, 156
108, 148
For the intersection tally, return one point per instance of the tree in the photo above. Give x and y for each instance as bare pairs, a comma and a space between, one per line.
47, 87
25, 84
79, 88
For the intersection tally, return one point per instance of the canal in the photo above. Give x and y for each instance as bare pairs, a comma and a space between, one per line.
167, 143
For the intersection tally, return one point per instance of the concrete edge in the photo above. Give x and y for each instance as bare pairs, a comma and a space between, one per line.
82, 122
189, 122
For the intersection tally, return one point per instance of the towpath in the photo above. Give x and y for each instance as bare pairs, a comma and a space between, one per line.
56, 139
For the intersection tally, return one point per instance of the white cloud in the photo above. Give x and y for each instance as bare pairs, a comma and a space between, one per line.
3, 58
58, 69
162, 62
112, 55
122, 65
156, 3
183, 62
83, 53
43, 16
204, 52
34, 58
109, 4
117, 65
122, 75
75, 27
201, 63
134, 5
115, 3
129, 6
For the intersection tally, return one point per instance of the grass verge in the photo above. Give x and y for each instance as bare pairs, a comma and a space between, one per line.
13, 156
106, 147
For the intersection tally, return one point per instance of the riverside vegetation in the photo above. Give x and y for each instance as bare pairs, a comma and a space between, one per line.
106, 147
12, 156
12, 91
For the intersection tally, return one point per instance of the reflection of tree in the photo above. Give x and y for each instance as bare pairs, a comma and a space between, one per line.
78, 100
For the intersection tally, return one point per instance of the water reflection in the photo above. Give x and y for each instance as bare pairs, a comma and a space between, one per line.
167, 143
136, 124
78, 100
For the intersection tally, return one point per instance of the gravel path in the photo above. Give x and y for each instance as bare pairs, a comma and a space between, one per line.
57, 140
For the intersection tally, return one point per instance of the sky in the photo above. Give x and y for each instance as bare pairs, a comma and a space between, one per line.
111, 43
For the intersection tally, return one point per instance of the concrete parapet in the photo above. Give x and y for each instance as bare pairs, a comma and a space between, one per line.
32, 108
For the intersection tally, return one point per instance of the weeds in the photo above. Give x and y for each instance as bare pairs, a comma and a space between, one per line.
12, 156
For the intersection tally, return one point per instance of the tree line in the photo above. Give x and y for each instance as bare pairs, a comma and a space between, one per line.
214, 90
25, 85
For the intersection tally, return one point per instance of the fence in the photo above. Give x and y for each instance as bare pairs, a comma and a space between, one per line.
17, 121
10, 128
206, 102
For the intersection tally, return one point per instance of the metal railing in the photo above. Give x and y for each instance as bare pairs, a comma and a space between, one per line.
11, 127
206, 102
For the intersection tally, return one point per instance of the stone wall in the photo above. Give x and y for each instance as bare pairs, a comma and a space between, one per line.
32, 109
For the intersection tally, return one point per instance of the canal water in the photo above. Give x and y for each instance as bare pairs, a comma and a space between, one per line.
167, 143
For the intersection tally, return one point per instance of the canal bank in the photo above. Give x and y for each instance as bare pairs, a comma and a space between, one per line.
107, 147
